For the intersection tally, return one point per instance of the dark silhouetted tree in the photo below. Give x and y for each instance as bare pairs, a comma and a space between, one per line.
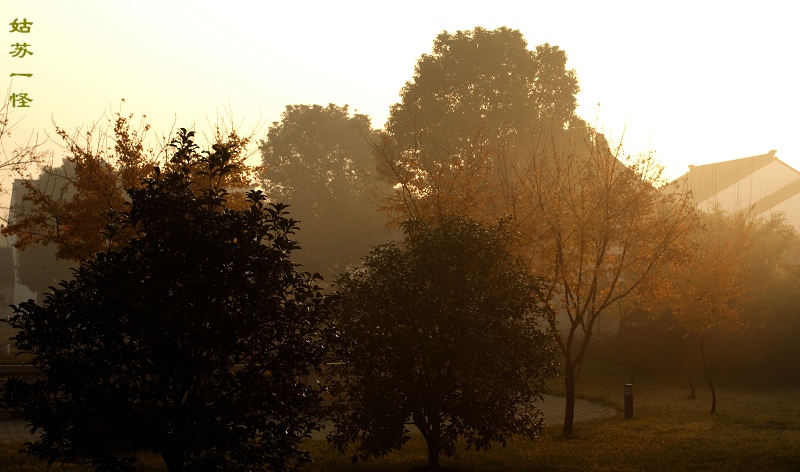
446, 330
187, 340
319, 161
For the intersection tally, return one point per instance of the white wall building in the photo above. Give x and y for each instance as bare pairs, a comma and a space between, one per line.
761, 184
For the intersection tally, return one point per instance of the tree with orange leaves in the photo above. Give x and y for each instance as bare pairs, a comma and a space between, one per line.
73, 206
597, 226
706, 291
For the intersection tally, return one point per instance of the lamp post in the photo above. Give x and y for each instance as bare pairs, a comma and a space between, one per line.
628, 392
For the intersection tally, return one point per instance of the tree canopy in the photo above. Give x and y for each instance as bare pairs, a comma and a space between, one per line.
319, 160
187, 339
773, 301
481, 84
480, 98
445, 330
315, 151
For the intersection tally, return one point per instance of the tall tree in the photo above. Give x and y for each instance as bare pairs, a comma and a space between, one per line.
596, 229
445, 330
187, 340
493, 134
319, 160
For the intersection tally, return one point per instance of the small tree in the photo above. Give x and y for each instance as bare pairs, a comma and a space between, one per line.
445, 331
707, 291
188, 340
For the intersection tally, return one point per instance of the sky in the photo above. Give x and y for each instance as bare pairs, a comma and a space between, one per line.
694, 82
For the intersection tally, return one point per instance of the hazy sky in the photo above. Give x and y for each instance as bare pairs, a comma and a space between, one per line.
697, 82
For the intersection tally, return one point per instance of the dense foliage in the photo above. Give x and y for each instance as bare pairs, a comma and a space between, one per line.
187, 340
477, 102
444, 331
319, 161
481, 88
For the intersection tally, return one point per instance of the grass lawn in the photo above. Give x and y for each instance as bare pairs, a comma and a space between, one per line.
756, 427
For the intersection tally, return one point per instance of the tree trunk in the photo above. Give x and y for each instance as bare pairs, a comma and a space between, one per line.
173, 461
569, 385
430, 427
708, 375
689, 376
434, 442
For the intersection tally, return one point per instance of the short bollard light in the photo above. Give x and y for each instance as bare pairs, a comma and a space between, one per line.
628, 391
